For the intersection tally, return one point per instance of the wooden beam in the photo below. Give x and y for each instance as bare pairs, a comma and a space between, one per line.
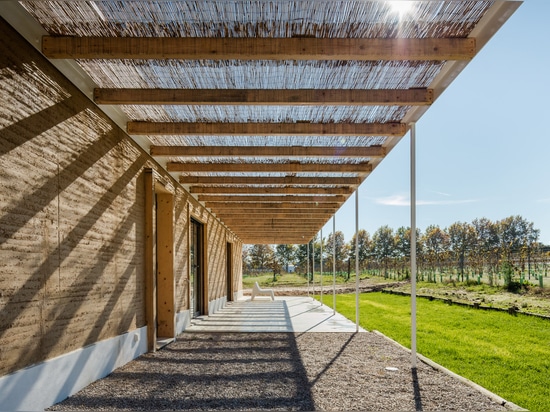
284, 97
291, 225
261, 213
275, 232
284, 198
272, 190
267, 129
266, 227
363, 167
210, 48
283, 216
276, 206
262, 180
278, 236
279, 239
269, 151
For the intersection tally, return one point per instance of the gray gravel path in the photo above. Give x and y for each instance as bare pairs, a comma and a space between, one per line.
278, 371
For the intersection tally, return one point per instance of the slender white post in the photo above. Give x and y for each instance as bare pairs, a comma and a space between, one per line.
357, 260
307, 273
321, 265
413, 245
313, 268
333, 264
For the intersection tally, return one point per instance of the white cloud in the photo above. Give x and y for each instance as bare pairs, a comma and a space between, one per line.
442, 193
401, 200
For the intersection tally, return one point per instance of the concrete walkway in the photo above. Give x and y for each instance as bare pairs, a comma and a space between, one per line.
284, 314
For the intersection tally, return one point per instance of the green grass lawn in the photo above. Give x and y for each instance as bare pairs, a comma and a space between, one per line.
508, 355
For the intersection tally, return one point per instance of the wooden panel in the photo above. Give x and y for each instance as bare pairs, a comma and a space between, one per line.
261, 180
267, 129
268, 151
58, 47
287, 97
269, 167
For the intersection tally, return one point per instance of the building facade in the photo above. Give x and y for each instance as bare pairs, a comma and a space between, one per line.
103, 253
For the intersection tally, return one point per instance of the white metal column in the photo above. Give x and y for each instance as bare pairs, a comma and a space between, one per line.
307, 273
357, 260
313, 268
413, 245
321, 257
333, 264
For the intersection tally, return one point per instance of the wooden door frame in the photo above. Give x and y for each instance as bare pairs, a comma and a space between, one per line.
229, 271
203, 263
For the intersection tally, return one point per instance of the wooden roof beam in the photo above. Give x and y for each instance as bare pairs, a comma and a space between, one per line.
262, 180
279, 97
261, 213
267, 129
363, 167
291, 225
280, 216
274, 198
276, 206
281, 239
272, 190
281, 231
198, 48
275, 235
268, 151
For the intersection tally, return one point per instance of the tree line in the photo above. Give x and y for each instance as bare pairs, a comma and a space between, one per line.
479, 248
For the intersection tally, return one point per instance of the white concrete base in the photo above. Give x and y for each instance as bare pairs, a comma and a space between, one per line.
285, 314
42, 385
216, 305
183, 320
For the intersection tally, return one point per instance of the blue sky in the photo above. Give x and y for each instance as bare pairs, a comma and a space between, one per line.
483, 148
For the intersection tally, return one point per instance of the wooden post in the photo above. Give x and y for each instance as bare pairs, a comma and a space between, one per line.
165, 273
149, 272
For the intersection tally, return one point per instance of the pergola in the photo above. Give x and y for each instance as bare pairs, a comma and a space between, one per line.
270, 113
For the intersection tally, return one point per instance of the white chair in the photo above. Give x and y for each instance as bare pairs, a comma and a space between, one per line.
257, 290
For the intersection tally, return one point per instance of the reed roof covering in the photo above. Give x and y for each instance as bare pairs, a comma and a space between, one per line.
265, 110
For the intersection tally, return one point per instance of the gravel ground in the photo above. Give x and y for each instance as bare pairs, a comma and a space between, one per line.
278, 371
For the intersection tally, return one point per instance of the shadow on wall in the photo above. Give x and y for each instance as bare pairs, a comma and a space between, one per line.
71, 231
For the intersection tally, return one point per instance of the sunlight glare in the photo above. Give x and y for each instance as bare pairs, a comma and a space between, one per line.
401, 7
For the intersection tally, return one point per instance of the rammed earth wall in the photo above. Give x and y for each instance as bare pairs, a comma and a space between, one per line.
72, 218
